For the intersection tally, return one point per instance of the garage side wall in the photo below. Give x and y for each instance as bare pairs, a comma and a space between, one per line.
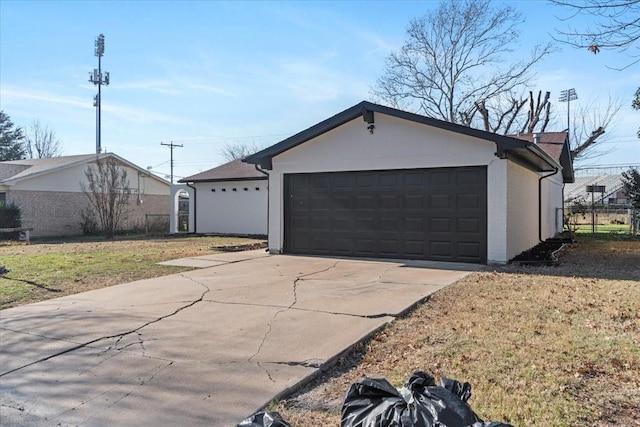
394, 144
232, 207
552, 212
497, 205
522, 209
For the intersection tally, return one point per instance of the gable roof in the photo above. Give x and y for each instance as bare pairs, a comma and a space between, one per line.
522, 152
12, 171
556, 144
235, 170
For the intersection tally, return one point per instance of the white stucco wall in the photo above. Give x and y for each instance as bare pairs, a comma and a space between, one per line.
512, 190
497, 211
522, 209
395, 144
235, 207
552, 203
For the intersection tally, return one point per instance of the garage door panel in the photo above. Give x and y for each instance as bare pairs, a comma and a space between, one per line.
440, 225
321, 223
441, 249
440, 201
413, 201
437, 214
468, 225
468, 249
319, 182
364, 201
439, 178
389, 179
413, 225
468, 201
389, 201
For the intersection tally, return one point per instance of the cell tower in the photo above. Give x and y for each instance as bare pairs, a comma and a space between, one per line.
98, 79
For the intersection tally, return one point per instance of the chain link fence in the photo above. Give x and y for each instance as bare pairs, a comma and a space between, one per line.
586, 218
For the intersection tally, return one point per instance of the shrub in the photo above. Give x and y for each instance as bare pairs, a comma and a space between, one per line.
88, 223
10, 217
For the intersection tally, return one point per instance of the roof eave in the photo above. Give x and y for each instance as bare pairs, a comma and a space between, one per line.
537, 160
196, 181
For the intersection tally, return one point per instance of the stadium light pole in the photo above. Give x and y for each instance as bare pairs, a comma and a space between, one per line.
567, 96
98, 79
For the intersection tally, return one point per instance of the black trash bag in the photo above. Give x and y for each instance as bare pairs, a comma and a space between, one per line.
420, 403
264, 419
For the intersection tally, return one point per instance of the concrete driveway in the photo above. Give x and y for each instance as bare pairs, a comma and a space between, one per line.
205, 347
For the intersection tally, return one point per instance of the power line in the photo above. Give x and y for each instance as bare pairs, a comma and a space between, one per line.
171, 145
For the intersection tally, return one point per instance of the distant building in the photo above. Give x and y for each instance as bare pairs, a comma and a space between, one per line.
49, 193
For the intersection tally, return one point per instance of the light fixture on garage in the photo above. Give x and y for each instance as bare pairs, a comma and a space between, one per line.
367, 116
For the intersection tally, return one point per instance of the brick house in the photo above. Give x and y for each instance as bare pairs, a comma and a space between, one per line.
49, 193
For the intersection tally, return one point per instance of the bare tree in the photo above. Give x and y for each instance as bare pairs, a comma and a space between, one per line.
41, 142
238, 150
108, 191
456, 60
616, 26
509, 116
589, 125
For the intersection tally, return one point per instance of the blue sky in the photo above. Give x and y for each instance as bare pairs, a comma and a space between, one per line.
204, 73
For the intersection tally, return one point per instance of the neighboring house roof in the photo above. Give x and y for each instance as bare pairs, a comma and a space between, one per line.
523, 152
556, 144
235, 170
12, 171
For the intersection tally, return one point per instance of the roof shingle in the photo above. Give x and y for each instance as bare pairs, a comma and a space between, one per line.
234, 170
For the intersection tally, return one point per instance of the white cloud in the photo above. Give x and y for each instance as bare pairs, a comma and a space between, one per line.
17, 94
159, 86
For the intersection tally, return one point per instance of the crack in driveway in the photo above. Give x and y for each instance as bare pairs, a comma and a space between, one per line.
120, 335
289, 307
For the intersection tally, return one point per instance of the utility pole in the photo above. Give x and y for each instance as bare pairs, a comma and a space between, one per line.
171, 145
97, 79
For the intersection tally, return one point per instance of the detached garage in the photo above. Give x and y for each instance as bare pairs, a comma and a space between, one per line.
373, 181
229, 199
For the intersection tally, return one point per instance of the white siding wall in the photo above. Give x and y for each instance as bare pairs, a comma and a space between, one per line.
229, 211
395, 144
68, 180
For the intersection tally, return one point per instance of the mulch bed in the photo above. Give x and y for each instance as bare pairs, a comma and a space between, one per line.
238, 248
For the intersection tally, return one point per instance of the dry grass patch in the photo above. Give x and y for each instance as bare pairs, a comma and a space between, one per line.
541, 346
41, 271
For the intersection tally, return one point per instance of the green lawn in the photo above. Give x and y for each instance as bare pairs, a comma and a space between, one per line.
45, 270
604, 228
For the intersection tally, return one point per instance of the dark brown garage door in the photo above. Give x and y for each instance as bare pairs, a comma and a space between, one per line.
433, 214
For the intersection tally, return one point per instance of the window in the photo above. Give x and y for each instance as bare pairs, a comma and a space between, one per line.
3, 198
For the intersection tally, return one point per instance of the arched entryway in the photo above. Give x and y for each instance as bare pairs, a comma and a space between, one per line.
182, 209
